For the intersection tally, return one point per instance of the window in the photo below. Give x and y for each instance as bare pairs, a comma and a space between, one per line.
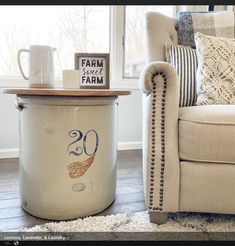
72, 29
69, 29
135, 38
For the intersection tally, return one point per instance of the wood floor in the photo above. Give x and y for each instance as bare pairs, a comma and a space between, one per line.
129, 193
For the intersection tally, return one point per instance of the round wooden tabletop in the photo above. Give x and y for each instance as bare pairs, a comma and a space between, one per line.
65, 92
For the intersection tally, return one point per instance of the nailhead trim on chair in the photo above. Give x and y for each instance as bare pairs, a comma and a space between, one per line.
152, 166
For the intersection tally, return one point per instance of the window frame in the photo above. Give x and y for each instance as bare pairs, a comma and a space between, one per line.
116, 47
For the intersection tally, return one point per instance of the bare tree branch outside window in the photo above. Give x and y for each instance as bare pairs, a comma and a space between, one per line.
69, 29
135, 37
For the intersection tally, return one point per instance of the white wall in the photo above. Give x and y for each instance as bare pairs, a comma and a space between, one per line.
129, 123
8, 122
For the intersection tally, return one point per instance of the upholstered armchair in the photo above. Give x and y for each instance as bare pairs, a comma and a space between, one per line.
188, 152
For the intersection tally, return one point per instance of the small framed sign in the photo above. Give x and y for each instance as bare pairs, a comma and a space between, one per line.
93, 70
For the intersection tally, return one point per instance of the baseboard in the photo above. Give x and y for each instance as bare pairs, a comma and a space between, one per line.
9, 153
129, 145
14, 153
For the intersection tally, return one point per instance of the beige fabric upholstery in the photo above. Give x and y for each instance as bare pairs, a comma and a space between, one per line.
201, 133
207, 187
160, 30
160, 86
166, 197
207, 133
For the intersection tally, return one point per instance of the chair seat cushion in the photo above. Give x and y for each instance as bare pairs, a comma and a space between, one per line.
207, 133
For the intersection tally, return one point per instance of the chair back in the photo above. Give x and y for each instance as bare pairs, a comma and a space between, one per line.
160, 29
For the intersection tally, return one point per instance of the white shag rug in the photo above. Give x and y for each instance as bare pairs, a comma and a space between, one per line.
184, 225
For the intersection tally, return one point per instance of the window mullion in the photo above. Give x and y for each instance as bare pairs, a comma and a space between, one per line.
117, 34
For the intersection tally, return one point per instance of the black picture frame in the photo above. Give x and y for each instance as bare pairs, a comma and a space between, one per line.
93, 70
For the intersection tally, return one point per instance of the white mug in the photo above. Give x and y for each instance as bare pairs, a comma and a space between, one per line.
41, 65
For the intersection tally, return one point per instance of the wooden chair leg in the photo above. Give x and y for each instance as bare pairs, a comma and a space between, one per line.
158, 218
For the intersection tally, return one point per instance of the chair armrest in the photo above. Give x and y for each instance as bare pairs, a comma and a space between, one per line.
159, 83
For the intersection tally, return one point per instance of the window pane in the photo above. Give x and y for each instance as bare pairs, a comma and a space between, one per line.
134, 37
70, 29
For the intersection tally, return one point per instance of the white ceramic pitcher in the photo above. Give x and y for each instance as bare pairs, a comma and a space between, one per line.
41, 65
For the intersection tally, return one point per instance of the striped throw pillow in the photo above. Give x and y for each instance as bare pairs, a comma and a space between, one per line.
184, 60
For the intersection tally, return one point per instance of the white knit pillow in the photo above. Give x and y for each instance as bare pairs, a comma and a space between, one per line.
216, 69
